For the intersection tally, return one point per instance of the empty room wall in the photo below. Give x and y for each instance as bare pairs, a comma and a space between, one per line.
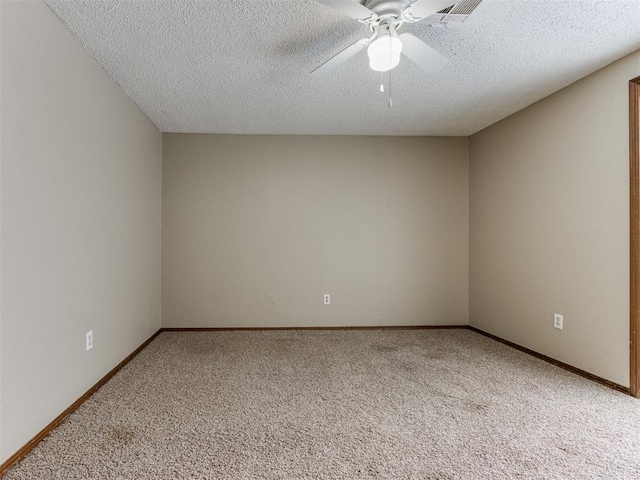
257, 228
80, 199
549, 224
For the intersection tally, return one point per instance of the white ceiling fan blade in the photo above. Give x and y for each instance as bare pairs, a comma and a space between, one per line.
424, 8
341, 57
351, 8
422, 54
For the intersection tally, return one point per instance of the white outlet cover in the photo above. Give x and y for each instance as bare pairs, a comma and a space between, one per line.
89, 340
327, 299
558, 321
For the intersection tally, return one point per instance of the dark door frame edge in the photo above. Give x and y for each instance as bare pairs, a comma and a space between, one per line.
634, 234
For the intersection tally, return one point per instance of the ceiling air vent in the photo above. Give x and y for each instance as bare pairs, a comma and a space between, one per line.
465, 7
455, 14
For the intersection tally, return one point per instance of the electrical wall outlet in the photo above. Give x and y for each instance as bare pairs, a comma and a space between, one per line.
327, 299
558, 321
89, 340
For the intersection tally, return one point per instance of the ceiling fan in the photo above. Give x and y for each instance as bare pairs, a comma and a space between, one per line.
384, 46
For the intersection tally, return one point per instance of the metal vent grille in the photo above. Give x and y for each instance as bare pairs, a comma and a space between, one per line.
454, 15
465, 7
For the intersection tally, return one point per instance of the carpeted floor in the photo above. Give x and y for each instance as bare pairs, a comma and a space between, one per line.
423, 404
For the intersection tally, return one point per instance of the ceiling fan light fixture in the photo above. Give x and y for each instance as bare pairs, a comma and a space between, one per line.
384, 52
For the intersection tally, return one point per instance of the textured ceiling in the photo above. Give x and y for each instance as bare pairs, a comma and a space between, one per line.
243, 66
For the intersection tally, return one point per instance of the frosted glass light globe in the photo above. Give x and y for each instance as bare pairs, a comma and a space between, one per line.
384, 53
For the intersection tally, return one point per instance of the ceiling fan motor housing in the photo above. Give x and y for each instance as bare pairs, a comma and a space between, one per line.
387, 8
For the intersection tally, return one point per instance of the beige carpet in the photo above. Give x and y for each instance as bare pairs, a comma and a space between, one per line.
423, 404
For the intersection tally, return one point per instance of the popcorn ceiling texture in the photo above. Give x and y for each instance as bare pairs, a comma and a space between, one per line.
384, 404
243, 66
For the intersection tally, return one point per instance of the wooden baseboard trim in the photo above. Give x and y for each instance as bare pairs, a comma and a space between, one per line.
30, 445
553, 361
250, 329
16, 457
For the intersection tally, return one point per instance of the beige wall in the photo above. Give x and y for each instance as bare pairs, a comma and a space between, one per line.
257, 228
80, 197
549, 229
